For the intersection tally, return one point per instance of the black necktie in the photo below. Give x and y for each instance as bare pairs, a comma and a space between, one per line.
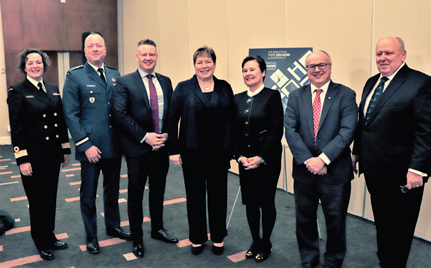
100, 70
375, 98
39, 85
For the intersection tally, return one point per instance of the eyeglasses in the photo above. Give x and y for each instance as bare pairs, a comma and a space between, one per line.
322, 66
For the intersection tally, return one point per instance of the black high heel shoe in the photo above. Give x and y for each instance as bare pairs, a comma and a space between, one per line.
264, 252
252, 251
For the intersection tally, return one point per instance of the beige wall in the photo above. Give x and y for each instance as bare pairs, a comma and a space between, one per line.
348, 30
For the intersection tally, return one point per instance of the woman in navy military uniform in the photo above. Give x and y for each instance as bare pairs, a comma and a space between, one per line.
259, 129
41, 144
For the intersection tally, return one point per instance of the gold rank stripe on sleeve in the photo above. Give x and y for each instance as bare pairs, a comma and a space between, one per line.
82, 141
20, 153
66, 145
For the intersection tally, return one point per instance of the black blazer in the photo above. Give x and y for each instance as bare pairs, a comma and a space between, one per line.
186, 94
398, 135
38, 130
259, 125
133, 112
335, 134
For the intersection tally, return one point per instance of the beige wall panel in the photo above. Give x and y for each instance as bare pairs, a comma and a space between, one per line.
208, 25
341, 28
423, 228
411, 21
173, 44
140, 21
253, 24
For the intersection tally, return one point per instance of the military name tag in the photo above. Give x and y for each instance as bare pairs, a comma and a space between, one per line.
92, 99
29, 96
91, 85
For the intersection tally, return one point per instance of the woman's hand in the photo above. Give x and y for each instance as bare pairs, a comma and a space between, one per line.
66, 160
176, 159
251, 163
25, 169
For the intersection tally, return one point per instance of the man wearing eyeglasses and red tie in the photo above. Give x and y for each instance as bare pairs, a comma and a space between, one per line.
320, 122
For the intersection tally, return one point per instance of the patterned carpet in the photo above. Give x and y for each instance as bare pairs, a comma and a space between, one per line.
17, 248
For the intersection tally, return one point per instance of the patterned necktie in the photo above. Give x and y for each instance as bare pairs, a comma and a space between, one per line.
100, 70
39, 85
154, 103
317, 106
373, 101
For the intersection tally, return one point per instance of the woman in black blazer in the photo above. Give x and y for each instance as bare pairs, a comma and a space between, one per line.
40, 142
259, 129
204, 148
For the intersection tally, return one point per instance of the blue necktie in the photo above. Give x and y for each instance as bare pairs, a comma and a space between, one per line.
375, 98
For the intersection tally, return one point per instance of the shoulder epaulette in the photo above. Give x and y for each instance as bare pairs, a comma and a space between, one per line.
74, 69
110, 67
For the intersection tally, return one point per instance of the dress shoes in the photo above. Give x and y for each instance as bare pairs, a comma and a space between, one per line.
138, 250
307, 265
252, 250
217, 250
198, 250
163, 235
118, 232
264, 252
59, 245
93, 246
46, 254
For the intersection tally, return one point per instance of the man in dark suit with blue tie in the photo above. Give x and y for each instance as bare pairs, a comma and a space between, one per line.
87, 95
320, 122
141, 102
392, 145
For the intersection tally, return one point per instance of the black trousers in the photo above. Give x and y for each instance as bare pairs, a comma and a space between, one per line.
111, 184
335, 201
41, 191
153, 166
395, 217
204, 176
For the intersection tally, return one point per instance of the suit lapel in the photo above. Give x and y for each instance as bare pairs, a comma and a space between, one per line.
93, 75
141, 88
198, 92
39, 95
329, 97
393, 86
308, 108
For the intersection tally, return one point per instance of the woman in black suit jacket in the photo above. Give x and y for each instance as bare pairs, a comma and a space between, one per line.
204, 105
259, 129
40, 142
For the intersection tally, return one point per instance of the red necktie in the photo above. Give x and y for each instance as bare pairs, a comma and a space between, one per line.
154, 103
316, 113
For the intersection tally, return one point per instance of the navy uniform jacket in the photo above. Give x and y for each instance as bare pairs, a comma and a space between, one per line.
38, 130
87, 110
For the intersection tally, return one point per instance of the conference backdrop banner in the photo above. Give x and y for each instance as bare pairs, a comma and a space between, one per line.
285, 68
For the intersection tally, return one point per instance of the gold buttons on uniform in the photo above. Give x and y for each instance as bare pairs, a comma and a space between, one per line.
44, 115
45, 126
55, 114
47, 138
57, 136
55, 125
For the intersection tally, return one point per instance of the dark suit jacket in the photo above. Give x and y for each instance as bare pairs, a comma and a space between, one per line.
87, 110
133, 112
336, 130
262, 135
397, 137
186, 94
38, 130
